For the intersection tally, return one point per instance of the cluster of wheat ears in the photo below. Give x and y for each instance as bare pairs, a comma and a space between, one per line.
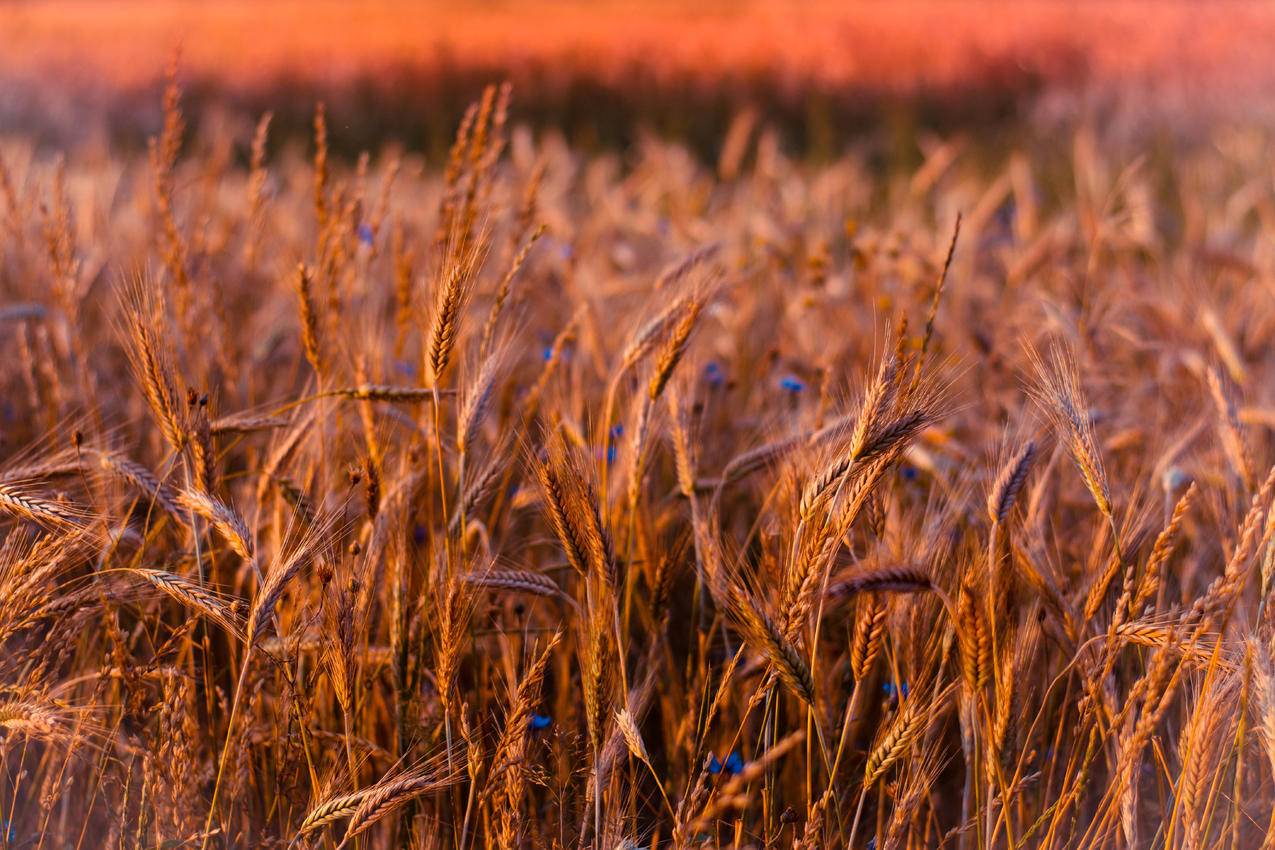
560, 501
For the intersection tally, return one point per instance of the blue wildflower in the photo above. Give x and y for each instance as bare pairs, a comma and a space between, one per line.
713, 373
733, 766
734, 763
365, 234
791, 383
893, 690
539, 722
548, 352
617, 431
909, 473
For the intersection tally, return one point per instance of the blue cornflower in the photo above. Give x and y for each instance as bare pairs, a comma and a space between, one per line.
713, 373
892, 690
733, 765
539, 722
791, 383
365, 234
617, 431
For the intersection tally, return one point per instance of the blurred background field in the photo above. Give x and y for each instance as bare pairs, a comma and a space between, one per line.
88, 71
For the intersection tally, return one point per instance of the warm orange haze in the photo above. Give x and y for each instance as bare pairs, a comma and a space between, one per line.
605, 71
567, 425
898, 44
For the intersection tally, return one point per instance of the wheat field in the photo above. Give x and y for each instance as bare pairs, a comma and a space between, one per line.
554, 500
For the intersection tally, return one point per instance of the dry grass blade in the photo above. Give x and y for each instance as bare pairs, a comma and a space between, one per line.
386, 392
390, 794
1058, 391
457, 281
785, 660
901, 735
276, 582
519, 581
332, 810
1231, 432
35, 719
245, 423
901, 578
17, 502
195, 596
1161, 550
223, 518
632, 736
1009, 483
152, 360
309, 318
142, 478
